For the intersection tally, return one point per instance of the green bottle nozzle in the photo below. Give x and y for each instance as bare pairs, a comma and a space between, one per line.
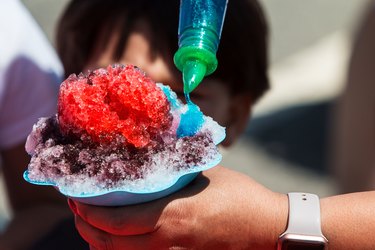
192, 74
199, 32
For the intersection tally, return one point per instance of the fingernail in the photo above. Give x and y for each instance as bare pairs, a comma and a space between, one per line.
72, 206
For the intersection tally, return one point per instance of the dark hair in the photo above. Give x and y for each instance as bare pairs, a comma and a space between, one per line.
242, 54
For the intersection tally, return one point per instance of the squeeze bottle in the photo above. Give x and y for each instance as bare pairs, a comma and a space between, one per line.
199, 31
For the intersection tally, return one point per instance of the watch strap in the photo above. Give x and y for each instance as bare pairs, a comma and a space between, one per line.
304, 215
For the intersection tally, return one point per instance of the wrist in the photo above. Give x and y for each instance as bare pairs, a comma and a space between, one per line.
281, 210
271, 223
326, 215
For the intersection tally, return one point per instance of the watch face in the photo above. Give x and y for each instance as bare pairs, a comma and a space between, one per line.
289, 244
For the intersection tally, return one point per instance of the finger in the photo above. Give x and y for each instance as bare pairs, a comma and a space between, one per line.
99, 239
126, 220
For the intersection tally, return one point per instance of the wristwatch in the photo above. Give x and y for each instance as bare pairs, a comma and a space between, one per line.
304, 230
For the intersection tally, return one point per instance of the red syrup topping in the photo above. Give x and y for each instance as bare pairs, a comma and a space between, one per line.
119, 100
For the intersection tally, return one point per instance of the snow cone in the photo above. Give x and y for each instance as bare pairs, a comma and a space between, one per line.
119, 138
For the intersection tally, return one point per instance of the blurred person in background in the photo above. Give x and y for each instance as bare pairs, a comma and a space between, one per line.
354, 130
30, 73
145, 34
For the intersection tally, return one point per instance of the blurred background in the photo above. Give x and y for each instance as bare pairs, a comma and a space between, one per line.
287, 146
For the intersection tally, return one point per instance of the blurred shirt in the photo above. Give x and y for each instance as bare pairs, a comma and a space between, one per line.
29, 73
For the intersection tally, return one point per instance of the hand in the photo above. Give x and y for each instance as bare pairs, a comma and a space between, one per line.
220, 209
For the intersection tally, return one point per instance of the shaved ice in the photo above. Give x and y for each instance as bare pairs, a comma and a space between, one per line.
116, 129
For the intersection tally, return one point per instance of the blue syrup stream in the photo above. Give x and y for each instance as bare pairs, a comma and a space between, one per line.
187, 98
